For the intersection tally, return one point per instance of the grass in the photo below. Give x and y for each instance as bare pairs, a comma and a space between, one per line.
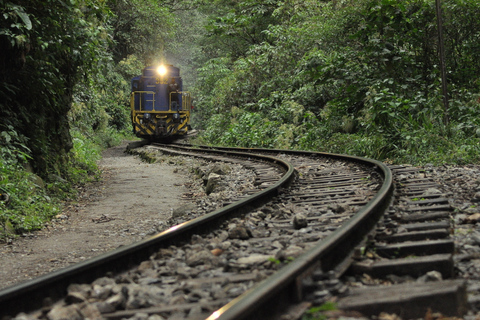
27, 201
317, 313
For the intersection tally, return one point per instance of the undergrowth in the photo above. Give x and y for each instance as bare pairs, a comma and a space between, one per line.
28, 201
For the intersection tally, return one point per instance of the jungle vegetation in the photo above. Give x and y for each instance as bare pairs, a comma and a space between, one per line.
359, 77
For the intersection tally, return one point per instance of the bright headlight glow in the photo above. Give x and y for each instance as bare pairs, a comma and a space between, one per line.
162, 70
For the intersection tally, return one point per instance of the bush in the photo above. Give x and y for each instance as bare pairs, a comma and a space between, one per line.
24, 202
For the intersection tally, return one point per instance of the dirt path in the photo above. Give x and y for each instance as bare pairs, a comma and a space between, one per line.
133, 201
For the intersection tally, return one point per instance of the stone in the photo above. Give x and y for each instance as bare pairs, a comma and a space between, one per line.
216, 252
293, 251
75, 297
239, 232
254, 258
184, 210
116, 300
104, 307
430, 276
431, 191
473, 218
145, 265
104, 281
300, 221
82, 289
212, 183
61, 313
200, 258
221, 168
143, 296
89, 311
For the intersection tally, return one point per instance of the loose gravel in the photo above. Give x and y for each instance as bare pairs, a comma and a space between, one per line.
124, 208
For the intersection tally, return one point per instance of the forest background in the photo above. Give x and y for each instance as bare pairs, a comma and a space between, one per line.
360, 77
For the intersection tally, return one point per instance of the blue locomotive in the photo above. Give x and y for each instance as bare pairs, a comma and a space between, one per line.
160, 107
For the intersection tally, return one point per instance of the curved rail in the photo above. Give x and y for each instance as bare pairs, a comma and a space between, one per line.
29, 295
257, 303
260, 301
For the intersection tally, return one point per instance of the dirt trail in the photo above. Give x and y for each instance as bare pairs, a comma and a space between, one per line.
133, 200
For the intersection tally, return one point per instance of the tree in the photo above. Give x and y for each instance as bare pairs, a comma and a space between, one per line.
47, 47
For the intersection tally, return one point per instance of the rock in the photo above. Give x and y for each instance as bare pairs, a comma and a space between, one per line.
473, 218
200, 258
195, 311
101, 292
179, 299
104, 307
225, 245
475, 236
216, 252
184, 210
476, 197
61, 313
89, 311
221, 168
222, 235
164, 253
239, 233
339, 208
83, 289
212, 183
254, 258
196, 239
293, 251
23, 316
104, 281
143, 296
430, 277
431, 191
116, 300
196, 295
75, 297
145, 265
300, 221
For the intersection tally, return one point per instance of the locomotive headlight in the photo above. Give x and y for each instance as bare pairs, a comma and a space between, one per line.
162, 70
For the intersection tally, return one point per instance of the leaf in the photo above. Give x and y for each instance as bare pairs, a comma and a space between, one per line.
24, 16
6, 136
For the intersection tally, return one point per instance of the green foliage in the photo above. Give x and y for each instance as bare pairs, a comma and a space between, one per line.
64, 92
47, 47
27, 201
140, 27
24, 203
28, 207
237, 25
84, 157
316, 313
357, 77
13, 149
20, 24
103, 103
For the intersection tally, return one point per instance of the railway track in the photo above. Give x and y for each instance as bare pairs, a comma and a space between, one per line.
295, 240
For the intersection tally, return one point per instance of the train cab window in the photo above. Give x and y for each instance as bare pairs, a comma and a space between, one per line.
173, 92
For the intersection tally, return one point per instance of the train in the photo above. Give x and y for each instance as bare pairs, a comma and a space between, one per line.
160, 109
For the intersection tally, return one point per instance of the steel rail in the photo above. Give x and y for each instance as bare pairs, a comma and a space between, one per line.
268, 298
30, 295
